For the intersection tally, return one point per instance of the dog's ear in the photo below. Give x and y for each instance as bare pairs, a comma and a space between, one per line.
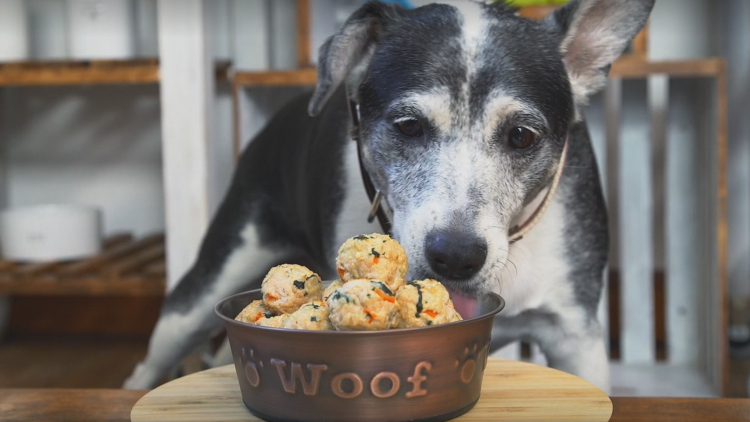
593, 34
350, 47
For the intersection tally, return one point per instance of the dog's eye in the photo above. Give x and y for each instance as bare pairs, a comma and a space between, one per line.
521, 138
410, 127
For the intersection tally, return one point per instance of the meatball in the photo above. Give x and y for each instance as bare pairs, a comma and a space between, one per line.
287, 287
331, 288
373, 257
363, 305
254, 312
425, 302
273, 322
310, 316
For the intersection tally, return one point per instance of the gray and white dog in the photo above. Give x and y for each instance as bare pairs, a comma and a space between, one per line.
467, 113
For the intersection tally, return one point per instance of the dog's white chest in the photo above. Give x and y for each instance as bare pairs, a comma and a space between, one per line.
536, 273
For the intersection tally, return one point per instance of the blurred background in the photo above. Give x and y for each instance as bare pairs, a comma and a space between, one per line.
120, 122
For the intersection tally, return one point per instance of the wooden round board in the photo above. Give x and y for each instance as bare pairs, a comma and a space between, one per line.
511, 391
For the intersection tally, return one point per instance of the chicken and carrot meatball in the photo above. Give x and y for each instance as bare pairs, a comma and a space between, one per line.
425, 302
287, 287
363, 305
273, 322
373, 257
310, 316
331, 288
254, 312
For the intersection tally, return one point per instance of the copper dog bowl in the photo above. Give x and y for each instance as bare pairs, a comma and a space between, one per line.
420, 374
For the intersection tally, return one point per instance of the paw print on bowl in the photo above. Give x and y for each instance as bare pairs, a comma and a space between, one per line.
467, 363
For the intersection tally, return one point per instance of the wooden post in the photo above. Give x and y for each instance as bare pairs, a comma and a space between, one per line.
640, 43
612, 110
187, 95
722, 240
236, 142
5, 301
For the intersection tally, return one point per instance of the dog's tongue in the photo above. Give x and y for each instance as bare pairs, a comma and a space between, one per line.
465, 305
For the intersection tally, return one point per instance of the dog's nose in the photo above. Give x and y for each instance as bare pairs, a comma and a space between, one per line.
455, 255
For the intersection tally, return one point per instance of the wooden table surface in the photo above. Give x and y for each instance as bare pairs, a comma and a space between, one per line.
114, 405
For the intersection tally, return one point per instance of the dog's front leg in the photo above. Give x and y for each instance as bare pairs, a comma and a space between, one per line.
229, 261
175, 335
579, 351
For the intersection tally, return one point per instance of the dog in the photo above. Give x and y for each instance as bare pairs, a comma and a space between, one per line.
470, 128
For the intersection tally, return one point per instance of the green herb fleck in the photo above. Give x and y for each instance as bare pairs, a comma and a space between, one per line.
268, 314
361, 237
313, 319
429, 322
374, 252
383, 287
299, 284
338, 296
419, 302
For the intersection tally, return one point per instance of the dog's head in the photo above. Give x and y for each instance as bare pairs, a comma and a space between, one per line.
464, 115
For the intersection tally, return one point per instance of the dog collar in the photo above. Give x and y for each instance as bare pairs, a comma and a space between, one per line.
516, 232
376, 197
377, 208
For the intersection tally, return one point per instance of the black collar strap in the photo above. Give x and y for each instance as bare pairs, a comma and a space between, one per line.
376, 197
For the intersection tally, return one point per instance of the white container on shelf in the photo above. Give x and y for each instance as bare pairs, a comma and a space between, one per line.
14, 37
101, 29
50, 232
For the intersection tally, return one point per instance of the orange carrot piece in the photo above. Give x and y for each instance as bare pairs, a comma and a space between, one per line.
369, 315
375, 259
431, 313
385, 297
341, 272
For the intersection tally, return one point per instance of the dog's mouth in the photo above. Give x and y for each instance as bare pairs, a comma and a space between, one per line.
466, 305
463, 295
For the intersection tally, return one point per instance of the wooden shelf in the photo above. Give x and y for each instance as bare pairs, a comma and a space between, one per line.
625, 67
537, 12
634, 67
303, 77
96, 72
126, 267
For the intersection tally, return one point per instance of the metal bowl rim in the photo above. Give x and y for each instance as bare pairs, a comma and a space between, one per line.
392, 331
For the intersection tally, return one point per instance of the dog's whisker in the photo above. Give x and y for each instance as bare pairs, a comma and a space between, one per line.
499, 283
514, 266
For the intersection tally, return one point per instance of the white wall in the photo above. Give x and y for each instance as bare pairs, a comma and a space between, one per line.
89, 145
95, 145
98, 145
682, 29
